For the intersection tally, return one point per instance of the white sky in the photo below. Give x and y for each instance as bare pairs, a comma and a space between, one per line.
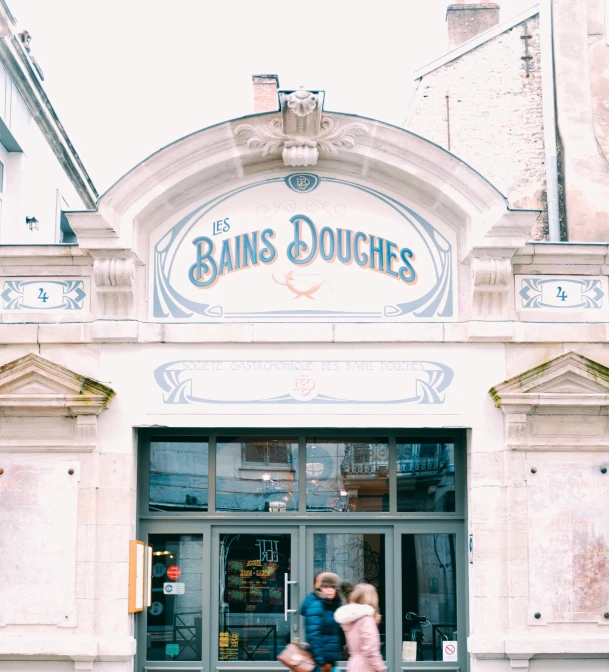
129, 76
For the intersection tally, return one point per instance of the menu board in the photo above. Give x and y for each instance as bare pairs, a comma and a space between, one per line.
254, 573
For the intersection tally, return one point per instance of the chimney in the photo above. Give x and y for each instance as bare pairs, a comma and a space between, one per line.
266, 97
466, 20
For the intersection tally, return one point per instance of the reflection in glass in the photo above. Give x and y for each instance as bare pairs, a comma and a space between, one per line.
426, 477
347, 475
252, 596
178, 475
175, 619
429, 594
356, 558
256, 474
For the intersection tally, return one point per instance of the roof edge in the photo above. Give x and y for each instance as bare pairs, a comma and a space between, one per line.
23, 75
476, 41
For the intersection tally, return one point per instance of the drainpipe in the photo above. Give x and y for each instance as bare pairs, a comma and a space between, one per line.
548, 95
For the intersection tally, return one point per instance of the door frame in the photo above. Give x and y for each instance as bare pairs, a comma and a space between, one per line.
141, 622
360, 527
399, 522
296, 574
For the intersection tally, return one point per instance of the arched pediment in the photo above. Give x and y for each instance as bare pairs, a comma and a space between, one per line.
189, 171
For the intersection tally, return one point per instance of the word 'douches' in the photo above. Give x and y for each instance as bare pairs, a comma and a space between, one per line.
347, 246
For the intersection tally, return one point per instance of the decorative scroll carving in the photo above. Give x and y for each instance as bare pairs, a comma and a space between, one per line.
115, 285
302, 132
491, 278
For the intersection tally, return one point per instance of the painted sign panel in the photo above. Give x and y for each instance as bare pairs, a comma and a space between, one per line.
38, 509
224, 383
289, 381
40, 295
561, 294
303, 247
568, 542
449, 652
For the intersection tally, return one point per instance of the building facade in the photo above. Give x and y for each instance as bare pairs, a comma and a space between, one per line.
41, 175
293, 342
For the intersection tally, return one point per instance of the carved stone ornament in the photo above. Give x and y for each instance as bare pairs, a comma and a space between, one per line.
46, 407
302, 132
491, 280
115, 287
560, 405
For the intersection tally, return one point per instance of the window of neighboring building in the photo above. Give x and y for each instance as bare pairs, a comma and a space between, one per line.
266, 452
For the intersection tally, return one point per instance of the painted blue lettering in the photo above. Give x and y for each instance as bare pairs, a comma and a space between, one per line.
237, 252
298, 246
226, 258
205, 264
345, 258
389, 257
326, 234
376, 250
250, 249
268, 253
360, 260
407, 272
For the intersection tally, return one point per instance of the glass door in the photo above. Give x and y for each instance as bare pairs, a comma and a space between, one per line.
256, 595
173, 626
358, 554
430, 583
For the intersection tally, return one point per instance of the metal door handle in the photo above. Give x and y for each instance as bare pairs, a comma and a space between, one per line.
287, 583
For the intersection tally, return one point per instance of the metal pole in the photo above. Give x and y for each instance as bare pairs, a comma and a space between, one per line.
549, 116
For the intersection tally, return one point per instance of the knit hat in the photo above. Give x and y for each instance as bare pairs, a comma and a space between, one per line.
329, 580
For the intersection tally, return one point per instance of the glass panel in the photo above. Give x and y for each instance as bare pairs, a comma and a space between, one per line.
174, 622
347, 475
178, 475
252, 596
429, 595
255, 474
426, 476
356, 558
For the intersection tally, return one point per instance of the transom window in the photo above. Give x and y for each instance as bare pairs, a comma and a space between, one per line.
316, 474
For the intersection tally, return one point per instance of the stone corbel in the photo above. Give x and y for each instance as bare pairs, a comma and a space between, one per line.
491, 280
115, 287
302, 131
520, 661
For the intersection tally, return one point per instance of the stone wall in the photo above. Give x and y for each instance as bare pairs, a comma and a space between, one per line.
493, 114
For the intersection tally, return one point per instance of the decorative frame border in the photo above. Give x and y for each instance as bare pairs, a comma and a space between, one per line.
167, 302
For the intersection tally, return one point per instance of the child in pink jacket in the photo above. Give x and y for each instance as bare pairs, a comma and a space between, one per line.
359, 619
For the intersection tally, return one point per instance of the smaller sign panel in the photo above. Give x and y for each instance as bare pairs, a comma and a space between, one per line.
449, 652
409, 652
156, 608
562, 294
172, 649
174, 588
44, 295
173, 572
136, 576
